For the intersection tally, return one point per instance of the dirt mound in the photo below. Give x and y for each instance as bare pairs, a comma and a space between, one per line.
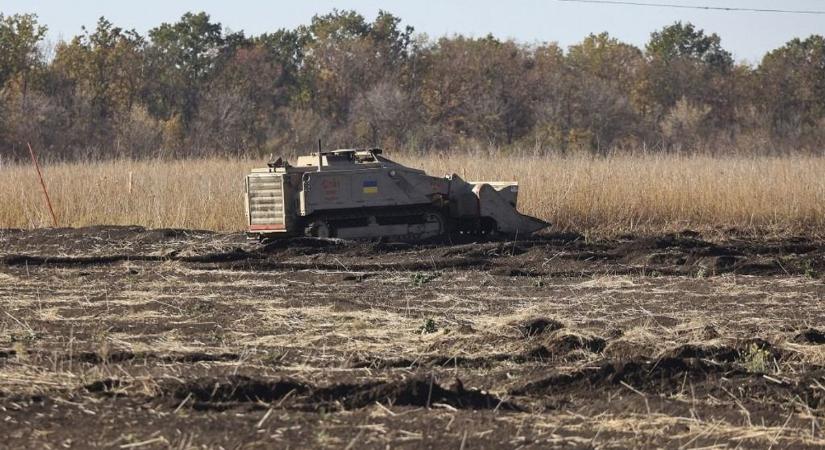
104, 386
33, 260
483, 249
744, 350
565, 344
810, 336
686, 254
749, 347
567, 347
668, 241
714, 353
539, 325
689, 255
665, 373
620, 349
168, 234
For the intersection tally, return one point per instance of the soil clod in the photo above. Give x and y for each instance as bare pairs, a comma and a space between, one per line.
810, 336
539, 325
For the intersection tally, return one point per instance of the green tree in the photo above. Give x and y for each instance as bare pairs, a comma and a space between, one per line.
105, 66
182, 57
479, 88
609, 59
605, 80
685, 63
20, 56
237, 111
792, 80
286, 49
346, 56
685, 41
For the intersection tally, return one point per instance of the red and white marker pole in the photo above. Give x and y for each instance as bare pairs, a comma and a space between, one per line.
42, 184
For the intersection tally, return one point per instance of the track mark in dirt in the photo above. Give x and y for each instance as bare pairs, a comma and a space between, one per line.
34, 260
124, 356
237, 388
535, 349
672, 240
193, 357
417, 391
433, 361
557, 256
411, 266
511, 272
421, 391
705, 370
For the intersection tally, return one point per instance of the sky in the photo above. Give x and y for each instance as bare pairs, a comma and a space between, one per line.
748, 35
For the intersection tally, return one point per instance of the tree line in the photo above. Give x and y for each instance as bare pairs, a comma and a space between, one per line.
194, 88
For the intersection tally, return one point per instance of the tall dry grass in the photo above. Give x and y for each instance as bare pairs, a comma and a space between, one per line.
602, 196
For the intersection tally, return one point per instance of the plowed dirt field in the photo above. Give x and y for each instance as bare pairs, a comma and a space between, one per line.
123, 337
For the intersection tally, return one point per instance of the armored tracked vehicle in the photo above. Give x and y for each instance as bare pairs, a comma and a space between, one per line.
358, 194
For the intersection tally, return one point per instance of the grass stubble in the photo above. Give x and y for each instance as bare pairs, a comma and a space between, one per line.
330, 337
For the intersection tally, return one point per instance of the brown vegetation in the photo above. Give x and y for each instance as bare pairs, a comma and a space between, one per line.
191, 88
611, 195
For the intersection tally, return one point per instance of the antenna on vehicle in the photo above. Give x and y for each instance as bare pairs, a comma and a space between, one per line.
320, 158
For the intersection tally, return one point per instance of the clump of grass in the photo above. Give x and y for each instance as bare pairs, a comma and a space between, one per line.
103, 345
428, 327
810, 271
199, 307
757, 359
20, 342
25, 337
422, 278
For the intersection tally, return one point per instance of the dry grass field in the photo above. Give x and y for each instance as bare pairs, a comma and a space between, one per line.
602, 196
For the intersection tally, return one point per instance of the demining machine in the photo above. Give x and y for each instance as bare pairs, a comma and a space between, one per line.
361, 194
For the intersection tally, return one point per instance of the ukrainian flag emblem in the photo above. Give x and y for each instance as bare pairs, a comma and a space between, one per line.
370, 187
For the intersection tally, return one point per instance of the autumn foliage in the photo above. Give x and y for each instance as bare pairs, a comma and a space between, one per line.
193, 88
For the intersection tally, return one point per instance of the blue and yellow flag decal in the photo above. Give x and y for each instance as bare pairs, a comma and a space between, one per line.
370, 187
